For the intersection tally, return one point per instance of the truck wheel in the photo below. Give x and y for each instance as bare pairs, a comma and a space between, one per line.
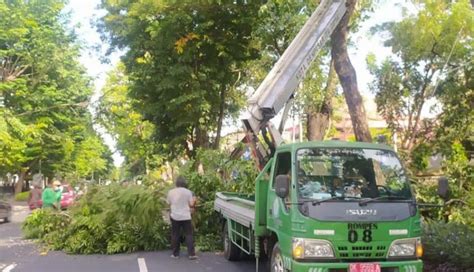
231, 251
276, 260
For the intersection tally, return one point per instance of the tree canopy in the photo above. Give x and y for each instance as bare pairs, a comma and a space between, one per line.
183, 62
432, 63
432, 50
45, 93
133, 135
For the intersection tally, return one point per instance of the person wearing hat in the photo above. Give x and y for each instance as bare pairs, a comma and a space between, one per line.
52, 195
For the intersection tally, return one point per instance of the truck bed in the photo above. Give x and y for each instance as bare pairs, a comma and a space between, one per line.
238, 207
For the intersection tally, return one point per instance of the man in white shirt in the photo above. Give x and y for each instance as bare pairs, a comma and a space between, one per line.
181, 201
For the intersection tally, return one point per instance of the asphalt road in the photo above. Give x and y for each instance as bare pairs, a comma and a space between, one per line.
17, 254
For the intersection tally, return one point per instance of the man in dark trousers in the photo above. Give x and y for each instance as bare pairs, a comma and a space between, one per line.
181, 202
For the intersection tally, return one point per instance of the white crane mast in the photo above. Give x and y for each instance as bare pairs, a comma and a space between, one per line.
285, 76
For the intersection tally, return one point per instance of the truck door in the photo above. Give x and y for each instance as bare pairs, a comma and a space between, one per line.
278, 212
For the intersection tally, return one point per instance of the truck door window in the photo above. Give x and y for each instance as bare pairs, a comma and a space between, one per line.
283, 165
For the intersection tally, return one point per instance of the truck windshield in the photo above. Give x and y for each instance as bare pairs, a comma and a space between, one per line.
350, 173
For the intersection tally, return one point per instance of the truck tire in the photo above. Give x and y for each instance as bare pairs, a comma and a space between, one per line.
231, 251
276, 260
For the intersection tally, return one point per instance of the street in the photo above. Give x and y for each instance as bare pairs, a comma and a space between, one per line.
17, 254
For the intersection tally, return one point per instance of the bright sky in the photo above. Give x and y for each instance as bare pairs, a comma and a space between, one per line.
84, 12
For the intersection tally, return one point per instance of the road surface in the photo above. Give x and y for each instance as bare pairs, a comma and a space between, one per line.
18, 255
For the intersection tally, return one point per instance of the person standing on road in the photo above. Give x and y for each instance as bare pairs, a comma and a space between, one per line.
34, 197
181, 202
52, 196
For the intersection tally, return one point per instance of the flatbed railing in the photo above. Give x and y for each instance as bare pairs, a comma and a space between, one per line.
235, 197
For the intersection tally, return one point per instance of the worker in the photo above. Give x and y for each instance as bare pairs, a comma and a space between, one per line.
181, 201
35, 196
52, 195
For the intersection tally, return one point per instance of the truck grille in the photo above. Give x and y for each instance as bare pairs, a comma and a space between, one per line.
361, 252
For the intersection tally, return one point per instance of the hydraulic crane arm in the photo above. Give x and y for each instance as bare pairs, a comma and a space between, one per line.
285, 76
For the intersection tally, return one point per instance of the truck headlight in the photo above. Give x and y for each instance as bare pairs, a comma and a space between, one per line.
311, 248
406, 248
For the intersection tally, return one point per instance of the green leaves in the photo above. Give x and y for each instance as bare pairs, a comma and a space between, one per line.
432, 47
182, 63
448, 242
108, 219
43, 221
116, 113
218, 174
88, 157
46, 92
433, 62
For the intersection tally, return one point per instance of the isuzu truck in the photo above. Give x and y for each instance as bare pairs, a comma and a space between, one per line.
328, 206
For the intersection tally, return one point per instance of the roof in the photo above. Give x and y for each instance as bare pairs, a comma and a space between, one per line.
334, 144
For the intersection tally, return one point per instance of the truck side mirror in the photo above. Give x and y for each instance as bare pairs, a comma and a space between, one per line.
282, 185
443, 188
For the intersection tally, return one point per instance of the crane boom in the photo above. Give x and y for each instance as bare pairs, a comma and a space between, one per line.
285, 76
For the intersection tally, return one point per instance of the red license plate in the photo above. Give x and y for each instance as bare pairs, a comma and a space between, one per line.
364, 267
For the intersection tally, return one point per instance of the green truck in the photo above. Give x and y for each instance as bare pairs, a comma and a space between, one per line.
324, 206
327, 206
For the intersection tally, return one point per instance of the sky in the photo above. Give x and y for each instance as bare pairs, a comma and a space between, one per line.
84, 12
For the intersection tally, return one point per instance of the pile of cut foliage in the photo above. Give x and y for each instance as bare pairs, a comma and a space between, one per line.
108, 219
113, 219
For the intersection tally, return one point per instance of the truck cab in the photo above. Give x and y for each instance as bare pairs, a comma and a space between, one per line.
324, 206
328, 206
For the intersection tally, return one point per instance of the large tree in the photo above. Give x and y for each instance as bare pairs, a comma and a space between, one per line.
433, 49
44, 90
184, 62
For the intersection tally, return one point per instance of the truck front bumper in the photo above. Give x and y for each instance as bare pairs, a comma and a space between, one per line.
394, 266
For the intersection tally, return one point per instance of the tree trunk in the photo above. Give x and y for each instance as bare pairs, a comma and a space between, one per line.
201, 139
21, 180
348, 78
318, 122
220, 119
